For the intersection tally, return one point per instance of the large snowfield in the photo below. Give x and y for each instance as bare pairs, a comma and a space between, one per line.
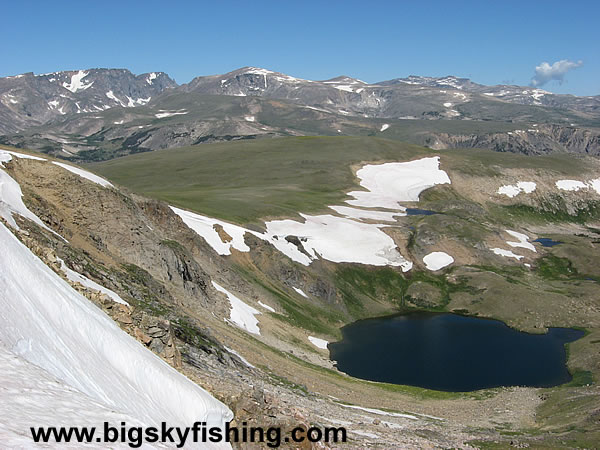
388, 184
63, 362
46, 323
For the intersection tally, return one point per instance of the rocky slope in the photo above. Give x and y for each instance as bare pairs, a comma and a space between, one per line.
27, 100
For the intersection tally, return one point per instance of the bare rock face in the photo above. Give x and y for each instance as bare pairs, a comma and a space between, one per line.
533, 141
28, 100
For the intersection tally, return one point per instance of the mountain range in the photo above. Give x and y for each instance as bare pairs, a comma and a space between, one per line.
98, 114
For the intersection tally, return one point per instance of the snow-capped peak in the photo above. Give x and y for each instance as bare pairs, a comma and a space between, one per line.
77, 83
151, 77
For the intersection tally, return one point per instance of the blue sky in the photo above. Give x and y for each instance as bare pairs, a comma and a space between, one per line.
489, 42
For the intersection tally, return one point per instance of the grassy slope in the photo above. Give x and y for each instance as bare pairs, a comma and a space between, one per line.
249, 180
245, 181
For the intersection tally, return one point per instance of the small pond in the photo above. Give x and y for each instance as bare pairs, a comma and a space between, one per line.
547, 242
419, 212
450, 352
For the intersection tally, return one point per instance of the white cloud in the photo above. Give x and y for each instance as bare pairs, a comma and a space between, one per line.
546, 72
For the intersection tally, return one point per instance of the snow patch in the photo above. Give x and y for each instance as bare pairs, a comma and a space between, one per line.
205, 227
300, 291
595, 185
112, 96
379, 412
267, 307
317, 109
570, 185
84, 174
11, 202
319, 343
242, 315
164, 113
344, 87
437, 260
365, 433
151, 77
244, 360
249, 118
506, 253
512, 190
275, 75
337, 239
384, 127
8, 153
390, 183
523, 240
77, 83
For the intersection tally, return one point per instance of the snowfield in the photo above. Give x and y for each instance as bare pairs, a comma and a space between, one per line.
205, 227
575, 185
523, 241
267, 307
242, 315
97, 365
338, 239
570, 185
84, 174
319, 343
512, 190
333, 238
300, 291
390, 183
595, 185
162, 114
437, 260
77, 83
506, 253
32, 396
151, 77
6, 155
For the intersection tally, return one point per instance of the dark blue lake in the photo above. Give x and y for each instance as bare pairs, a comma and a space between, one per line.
419, 212
450, 352
547, 242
